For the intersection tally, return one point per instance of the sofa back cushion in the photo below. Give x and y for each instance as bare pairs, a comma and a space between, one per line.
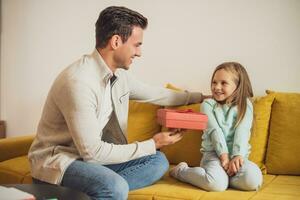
284, 140
142, 121
260, 130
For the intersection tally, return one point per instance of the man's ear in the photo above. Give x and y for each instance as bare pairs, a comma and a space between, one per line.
115, 41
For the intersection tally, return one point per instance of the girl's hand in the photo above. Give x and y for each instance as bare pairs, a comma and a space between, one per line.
234, 165
224, 158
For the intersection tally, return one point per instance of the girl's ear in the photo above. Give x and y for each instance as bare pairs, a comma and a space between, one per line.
115, 41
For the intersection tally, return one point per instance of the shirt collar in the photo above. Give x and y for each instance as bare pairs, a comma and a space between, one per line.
105, 71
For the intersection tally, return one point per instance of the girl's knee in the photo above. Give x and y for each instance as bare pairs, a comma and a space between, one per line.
254, 180
249, 180
217, 183
249, 183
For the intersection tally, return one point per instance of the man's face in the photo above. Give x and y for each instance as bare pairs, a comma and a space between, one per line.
126, 52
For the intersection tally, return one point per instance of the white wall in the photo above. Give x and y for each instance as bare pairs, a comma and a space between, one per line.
184, 42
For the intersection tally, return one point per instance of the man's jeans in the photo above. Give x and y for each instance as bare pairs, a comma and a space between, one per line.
114, 181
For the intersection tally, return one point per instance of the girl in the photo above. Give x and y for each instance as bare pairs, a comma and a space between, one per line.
225, 144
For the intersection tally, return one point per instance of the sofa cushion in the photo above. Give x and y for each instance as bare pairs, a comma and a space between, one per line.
281, 187
142, 121
283, 146
260, 129
15, 170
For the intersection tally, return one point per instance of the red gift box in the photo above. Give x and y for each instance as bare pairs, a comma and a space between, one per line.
186, 119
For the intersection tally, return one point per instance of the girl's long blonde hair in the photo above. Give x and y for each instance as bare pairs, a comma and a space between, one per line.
243, 87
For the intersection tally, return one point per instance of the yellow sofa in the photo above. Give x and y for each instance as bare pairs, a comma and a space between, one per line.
275, 144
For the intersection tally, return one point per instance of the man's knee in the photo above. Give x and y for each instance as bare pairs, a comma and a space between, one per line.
162, 163
119, 189
115, 188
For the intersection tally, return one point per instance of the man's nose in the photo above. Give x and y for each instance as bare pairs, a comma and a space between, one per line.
138, 52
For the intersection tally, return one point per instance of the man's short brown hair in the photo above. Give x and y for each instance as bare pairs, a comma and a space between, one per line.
117, 20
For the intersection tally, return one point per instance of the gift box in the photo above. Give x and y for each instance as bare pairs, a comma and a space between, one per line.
185, 119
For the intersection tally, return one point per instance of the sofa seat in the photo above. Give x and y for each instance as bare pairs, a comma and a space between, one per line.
275, 187
15, 170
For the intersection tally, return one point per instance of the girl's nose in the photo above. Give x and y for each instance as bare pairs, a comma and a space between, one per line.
218, 86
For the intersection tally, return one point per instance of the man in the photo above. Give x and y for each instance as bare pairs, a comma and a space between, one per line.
81, 138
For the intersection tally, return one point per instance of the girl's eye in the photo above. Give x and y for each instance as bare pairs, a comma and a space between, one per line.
224, 83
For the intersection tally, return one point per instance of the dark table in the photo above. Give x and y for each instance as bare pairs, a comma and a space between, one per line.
47, 191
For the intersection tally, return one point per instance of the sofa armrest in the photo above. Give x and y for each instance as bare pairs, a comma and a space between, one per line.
15, 146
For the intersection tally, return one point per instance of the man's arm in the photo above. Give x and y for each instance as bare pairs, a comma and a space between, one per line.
78, 103
160, 96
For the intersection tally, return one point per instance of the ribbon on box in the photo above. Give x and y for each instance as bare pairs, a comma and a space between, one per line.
185, 111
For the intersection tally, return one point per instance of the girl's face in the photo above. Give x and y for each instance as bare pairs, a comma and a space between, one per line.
223, 85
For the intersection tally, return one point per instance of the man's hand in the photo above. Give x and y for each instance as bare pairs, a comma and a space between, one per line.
224, 158
205, 97
166, 138
234, 165
196, 97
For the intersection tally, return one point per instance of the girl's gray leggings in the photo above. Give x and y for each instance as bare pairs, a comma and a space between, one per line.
211, 176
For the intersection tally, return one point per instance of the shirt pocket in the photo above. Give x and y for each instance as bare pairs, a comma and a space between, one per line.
124, 98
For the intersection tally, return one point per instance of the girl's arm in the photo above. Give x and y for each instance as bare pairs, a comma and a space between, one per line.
242, 133
213, 129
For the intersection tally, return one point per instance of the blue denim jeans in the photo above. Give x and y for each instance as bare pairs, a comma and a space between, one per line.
115, 181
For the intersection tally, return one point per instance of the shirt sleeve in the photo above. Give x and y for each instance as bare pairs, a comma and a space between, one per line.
78, 103
159, 95
213, 128
242, 133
